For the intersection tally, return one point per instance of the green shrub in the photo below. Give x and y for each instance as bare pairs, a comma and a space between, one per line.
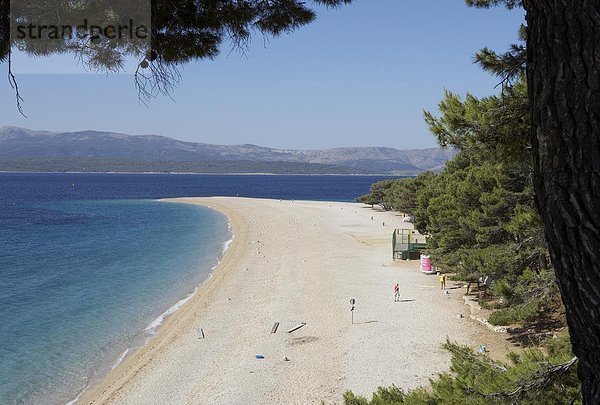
517, 314
530, 377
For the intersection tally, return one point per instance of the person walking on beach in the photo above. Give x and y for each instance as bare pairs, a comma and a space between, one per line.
396, 293
443, 281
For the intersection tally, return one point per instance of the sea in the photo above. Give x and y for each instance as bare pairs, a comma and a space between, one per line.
91, 264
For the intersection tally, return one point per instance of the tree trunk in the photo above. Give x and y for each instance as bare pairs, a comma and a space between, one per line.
563, 73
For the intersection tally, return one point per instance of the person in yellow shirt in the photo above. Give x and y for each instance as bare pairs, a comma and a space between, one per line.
443, 281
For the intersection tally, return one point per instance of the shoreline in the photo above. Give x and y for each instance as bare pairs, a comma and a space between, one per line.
131, 354
222, 174
335, 358
155, 324
148, 333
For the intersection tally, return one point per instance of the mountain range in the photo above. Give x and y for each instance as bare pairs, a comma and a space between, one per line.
29, 150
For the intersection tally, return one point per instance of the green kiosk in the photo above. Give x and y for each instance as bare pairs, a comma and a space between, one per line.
407, 244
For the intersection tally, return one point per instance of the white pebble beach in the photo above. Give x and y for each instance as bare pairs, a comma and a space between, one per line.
292, 263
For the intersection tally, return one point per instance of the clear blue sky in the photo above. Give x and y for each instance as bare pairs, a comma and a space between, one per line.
358, 76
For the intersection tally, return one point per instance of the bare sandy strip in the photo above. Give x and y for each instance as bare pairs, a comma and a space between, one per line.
295, 262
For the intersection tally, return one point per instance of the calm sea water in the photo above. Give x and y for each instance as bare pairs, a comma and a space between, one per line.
90, 263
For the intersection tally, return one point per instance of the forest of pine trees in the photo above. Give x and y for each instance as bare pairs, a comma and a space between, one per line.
481, 217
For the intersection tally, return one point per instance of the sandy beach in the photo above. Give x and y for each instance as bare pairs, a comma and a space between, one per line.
297, 262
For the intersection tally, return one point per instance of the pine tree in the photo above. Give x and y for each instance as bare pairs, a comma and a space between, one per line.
533, 377
482, 218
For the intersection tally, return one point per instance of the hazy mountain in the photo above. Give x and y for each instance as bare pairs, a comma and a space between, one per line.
23, 147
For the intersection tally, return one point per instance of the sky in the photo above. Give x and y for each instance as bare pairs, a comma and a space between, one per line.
360, 75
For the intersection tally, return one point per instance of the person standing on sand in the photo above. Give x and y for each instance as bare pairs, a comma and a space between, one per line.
396, 293
443, 281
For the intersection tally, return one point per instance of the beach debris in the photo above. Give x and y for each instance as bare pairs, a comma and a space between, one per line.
274, 328
459, 316
482, 349
259, 356
200, 333
285, 358
295, 328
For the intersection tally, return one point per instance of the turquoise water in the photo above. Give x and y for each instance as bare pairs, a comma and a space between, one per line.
90, 262
83, 281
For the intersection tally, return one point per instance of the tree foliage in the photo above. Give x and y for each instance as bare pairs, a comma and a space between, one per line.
482, 220
510, 4
181, 31
397, 195
479, 211
536, 376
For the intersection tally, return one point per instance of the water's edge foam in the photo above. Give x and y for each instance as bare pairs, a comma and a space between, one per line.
152, 328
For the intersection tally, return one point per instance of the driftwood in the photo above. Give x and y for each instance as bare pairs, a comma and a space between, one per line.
296, 327
274, 328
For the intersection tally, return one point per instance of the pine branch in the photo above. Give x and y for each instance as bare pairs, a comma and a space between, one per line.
544, 378
14, 85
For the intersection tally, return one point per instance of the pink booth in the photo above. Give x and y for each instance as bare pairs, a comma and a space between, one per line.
426, 266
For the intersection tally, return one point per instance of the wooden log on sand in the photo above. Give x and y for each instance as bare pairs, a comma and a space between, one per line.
274, 328
296, 327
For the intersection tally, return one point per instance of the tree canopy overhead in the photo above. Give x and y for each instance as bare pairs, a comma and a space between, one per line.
181, 31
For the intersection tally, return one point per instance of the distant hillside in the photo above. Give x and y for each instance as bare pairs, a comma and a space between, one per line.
27, 150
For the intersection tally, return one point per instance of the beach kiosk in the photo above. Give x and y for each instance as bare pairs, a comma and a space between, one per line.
407, 244
426, 266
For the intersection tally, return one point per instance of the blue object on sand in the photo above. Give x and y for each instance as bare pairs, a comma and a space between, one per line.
260, 356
